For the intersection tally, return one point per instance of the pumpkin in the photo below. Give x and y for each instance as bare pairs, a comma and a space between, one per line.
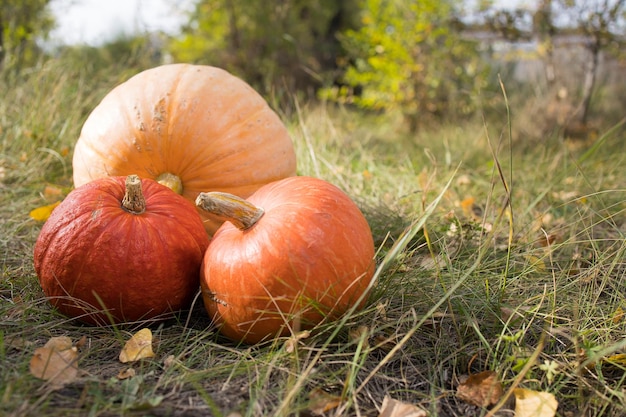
295, 253
121, 249
191, 127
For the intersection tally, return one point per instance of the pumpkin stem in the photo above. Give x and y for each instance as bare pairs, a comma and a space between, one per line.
133, 200
236, 210
171, 181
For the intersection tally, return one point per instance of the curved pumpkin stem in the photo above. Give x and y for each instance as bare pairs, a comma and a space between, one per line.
133, 200
236, 210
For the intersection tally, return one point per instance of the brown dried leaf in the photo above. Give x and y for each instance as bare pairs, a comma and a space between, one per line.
395, 408
381, 311
547, 240
482, 389
52, 192
321, 401
529, 403
55, 362
358, 334
169, 361
139, 346
292, 343
81, 342
126, 373
383, 342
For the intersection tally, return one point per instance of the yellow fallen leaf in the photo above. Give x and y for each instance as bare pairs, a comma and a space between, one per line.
471, 209
42, 213
529, 403
618, 359
395, 408
55, 362
139, 346
482, 389
618, 315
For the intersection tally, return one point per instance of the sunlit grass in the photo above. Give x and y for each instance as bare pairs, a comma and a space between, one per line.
477, 284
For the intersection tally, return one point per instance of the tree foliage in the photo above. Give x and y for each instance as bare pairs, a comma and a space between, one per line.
288, 44
21, 23
410, 56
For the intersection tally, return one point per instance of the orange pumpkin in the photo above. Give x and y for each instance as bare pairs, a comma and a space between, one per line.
121, 250
193, 128
297, 252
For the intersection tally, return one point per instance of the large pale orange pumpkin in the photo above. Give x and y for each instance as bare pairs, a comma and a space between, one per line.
194, 128
296, 253
121, 249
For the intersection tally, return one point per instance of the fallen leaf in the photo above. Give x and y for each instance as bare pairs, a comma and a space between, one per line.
395, 408
618, 359
463, 180
360, 335
292, 342
482, 389
81, 342
139, 346
321, 401
169, 361
618, 315
529, 403
52, 192
547, 240
126, 373
567, 196
536, 263
384, 342
381, 311
42, 213
55, 362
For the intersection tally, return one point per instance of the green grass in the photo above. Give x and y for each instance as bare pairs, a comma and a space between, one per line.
466, 282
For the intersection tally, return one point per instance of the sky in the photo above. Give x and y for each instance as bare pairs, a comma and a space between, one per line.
94, 22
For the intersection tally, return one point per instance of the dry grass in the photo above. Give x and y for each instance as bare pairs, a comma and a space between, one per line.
478, 281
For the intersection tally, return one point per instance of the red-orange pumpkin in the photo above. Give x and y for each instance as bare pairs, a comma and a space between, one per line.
121, 250
192, 127
301, 252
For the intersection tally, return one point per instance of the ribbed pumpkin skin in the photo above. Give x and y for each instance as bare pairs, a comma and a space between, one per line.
200, 123
311, 255
141, 266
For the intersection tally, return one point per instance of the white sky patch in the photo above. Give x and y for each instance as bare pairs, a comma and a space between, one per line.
94, 22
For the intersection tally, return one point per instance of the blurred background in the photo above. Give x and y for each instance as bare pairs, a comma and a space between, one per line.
560, 64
